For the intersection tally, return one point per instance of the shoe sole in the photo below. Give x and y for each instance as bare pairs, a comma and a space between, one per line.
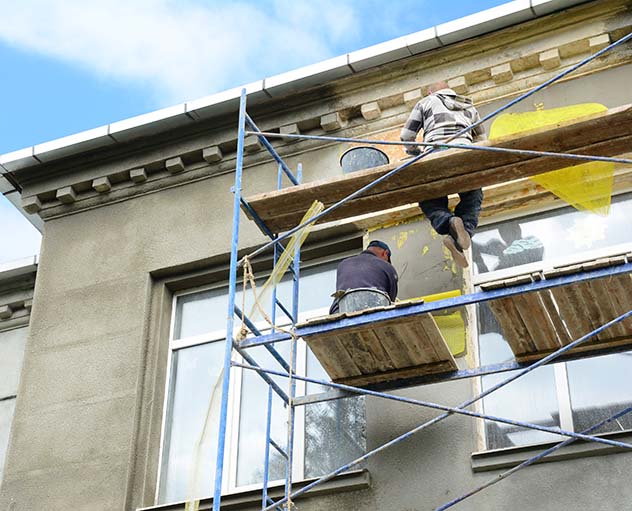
462, 236
457, 255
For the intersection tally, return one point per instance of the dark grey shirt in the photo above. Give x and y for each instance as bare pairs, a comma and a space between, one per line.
367, 270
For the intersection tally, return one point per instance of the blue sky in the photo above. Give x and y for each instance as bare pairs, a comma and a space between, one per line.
72, 65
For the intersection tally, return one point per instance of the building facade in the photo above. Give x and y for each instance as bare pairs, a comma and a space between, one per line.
115, 407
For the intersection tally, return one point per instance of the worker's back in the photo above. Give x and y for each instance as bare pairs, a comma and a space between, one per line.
366, 270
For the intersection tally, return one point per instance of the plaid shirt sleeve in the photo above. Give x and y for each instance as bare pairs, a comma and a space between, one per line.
413, 126
478, 133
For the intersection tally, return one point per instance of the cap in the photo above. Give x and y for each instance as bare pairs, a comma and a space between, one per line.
381, 244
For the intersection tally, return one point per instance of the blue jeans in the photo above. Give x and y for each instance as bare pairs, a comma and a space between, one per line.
468, 208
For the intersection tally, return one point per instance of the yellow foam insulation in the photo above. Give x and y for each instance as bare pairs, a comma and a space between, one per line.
586, 187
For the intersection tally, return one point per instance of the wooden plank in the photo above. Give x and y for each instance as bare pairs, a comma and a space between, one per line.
282, 219
620, 288
596, 309
437, 341
417, 344
565, 136
445, 172
568, 310
361, 356
560, 328
582, 348
537, 321
399, 374
607, 307
514, 331
395, 347
332, 356
359, 348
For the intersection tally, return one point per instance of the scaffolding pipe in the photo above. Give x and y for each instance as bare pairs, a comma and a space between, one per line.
232, 282
296, 274
531, 460
266, 454
439, 418
448, 303
445, 408
492, 149
271, 150
271, 349
379, 180
267, 379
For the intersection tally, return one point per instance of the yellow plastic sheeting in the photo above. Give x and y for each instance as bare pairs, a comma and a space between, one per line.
586, 187
451, 326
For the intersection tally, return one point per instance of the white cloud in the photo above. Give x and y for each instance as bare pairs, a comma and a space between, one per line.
180, 49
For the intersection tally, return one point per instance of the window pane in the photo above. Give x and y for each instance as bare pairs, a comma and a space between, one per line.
531, 398
12, 344
203, 312
335, 431
199, 313
192, 421
549, 236
7, 408
315, 290
252, 421
600, 387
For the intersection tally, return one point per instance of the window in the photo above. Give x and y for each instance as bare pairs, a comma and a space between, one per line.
12, 344
194, 392
572, 395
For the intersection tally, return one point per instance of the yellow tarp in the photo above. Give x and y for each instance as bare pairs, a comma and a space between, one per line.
586, 187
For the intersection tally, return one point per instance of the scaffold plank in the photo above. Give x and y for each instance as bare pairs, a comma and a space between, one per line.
536, 323
443, 173
395, 349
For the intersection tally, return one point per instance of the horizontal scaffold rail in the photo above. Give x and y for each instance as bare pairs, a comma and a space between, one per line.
607, 134
458, 301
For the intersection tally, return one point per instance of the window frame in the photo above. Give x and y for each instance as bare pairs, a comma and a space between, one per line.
229, 481
562, 385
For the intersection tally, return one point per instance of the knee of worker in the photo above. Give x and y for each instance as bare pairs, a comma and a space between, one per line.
471, 202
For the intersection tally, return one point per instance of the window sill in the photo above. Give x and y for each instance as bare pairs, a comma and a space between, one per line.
512, 456
349, 481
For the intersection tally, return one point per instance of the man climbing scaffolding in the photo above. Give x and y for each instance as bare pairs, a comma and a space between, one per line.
440, 115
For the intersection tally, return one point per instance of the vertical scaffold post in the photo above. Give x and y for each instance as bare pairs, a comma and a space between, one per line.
292, 391
266, 456
232, 283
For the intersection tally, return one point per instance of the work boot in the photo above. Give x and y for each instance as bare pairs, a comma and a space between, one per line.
455, 250
459, 234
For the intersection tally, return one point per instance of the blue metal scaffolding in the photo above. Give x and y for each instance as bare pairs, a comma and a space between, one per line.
247, 126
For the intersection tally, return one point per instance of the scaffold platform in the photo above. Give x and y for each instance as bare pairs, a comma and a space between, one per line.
607, 134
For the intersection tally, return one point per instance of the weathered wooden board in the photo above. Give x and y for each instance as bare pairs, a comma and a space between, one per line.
607, 134
537, 323
383, 351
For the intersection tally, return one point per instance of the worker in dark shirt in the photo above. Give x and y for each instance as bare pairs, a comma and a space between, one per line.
371, 269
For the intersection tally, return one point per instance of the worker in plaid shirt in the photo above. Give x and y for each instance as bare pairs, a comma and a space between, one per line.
440, 115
